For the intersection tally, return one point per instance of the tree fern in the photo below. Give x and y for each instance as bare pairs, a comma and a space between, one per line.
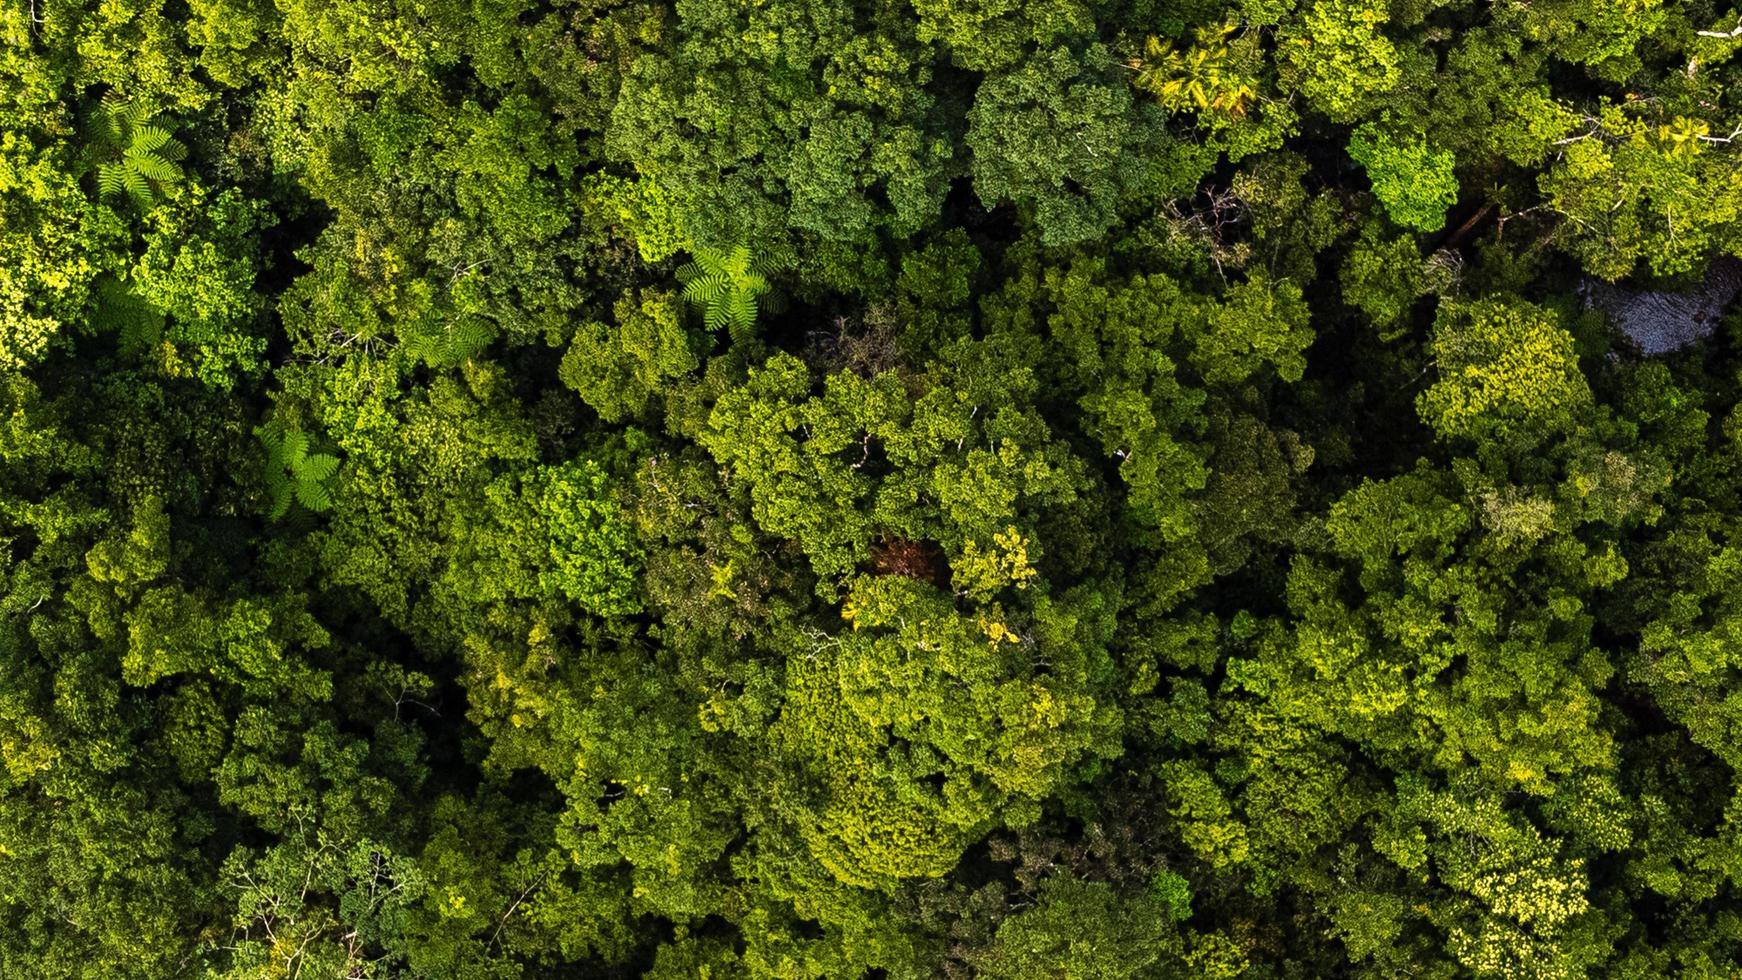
132, 156
293, 474
139, 323
450, 342
730, 285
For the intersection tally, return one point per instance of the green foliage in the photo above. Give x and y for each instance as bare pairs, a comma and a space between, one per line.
1604, 36
592, 553
198, 270
1384, 276
1338, 57
56, 245
1208, 77
131, 153
1641, 184
620, 368
730, 286
1505, 368
1149, 541
293, 474
644, 212
1057, 136
760, 118
987, 35
450, 341
317, 906
1081, 929
138, 323
1414, 182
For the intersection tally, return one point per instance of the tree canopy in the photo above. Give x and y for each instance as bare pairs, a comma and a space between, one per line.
873, 490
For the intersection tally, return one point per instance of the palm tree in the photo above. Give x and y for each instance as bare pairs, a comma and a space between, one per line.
1207, 77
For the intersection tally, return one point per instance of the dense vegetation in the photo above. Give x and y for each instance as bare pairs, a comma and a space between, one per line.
867, 489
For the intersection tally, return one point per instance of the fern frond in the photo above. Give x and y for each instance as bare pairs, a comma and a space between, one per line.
148, 138
418, 344
467, 336
138, 322
726, 283
278, 488
715, 316
142, 334
112, 117
736, 263
150, 165
314, 496
173, 150
316, 468
707, 289
711, 261
95, 129
447, 344
277, 480
291, 449
112, 178
741, 309
293, 474
138, 188
137, 113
